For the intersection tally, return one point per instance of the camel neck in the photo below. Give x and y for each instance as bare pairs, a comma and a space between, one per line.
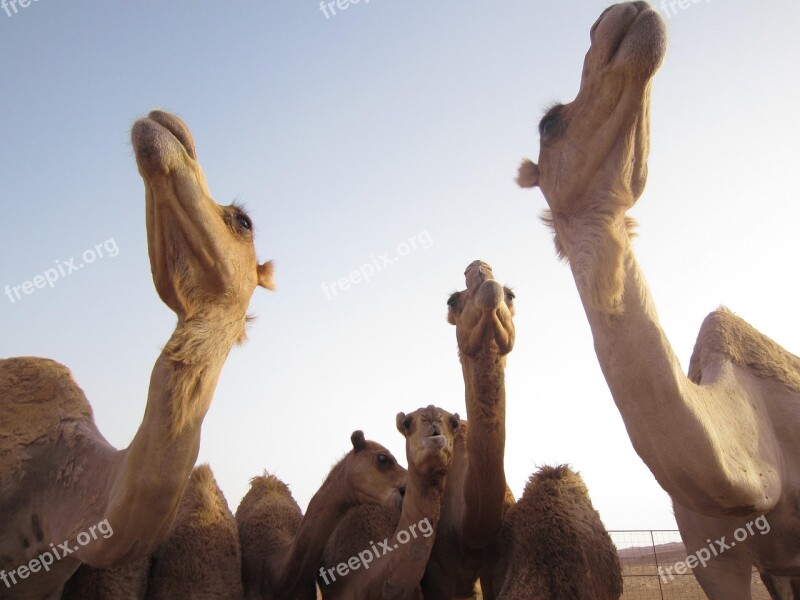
485, 482
326, 508
638, 362
414, 536
665, 414
154, 470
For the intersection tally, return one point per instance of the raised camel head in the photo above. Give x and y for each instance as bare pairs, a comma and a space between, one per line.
593, 151
481, 312
201, 254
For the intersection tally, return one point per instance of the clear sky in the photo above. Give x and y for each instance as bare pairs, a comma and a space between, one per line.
392, 126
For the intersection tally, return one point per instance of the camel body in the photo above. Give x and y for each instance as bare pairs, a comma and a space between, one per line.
553, 545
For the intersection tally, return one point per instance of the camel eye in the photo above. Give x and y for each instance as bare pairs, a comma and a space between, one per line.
383, 460
510, 296
454, 424
244, 221
452, 301
548, 125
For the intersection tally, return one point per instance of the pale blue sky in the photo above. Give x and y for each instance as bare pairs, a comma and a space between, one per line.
346, 137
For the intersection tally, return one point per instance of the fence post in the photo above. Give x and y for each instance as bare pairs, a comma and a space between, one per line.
658, 574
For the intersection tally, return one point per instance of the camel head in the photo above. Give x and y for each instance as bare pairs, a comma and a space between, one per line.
430, 434
593, 151
482, 313
201, 254
370, 474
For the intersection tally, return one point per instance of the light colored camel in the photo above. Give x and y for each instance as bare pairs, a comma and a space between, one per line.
389, 562
723, 441
279, 558
476, 495
553, 545
201, 557
59, 478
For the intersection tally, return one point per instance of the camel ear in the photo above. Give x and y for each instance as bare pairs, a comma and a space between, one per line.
265, 275
401, 416
528, 174
359, 443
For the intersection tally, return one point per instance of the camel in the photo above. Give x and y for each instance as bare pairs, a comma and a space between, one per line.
280, 558
353, 566
268, 519
61, 480
476, 495
201, 556
554, 546
721, 441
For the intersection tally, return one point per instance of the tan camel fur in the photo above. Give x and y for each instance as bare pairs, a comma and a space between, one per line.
288, 563
59, 478
476, 495
391, 565
125, 581
553, 544
723, 441
201, 557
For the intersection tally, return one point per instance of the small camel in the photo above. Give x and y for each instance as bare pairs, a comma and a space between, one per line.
389, 562
476, 495
201, 557
59, 478
723, 441
279, 558
553, 545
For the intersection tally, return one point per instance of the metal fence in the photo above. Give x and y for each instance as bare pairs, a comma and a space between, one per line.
641, 553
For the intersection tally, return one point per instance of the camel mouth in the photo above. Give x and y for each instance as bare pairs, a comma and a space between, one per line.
633, 38
434, 442
162, 142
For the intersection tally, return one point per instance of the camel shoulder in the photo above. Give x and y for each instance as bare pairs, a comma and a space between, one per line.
725, 334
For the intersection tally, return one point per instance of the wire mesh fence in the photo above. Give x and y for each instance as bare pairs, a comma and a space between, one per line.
641, 553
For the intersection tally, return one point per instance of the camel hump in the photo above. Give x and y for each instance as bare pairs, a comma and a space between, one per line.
723, 334
39, 400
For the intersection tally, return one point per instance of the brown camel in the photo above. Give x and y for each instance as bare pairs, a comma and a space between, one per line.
553, 545
60, 478
201, 557
268, 519
281, 565
476, 495
355, 563
723, 441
